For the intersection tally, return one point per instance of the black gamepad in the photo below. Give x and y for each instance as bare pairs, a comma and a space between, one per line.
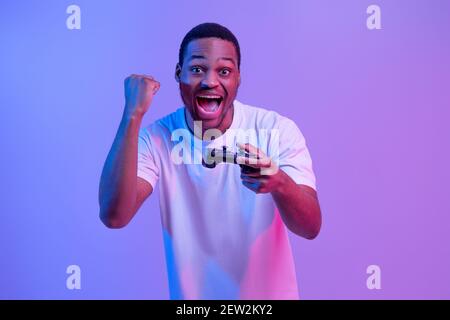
216, 156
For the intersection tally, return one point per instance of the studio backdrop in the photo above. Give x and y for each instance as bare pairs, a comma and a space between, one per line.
367, 82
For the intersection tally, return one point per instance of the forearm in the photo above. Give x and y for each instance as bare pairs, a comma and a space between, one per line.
118, 182
298, 206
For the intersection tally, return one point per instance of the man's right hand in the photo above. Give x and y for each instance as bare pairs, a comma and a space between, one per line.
139, 92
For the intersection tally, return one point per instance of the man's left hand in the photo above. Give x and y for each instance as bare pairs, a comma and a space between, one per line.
268, 178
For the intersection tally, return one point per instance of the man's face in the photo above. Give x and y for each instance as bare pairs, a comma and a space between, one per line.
209, 80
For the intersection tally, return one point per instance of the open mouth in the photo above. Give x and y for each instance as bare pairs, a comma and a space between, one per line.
209, 103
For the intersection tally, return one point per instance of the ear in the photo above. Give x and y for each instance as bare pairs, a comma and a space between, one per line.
239, 80
177, 72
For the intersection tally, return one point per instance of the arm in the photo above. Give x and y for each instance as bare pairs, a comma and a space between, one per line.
121, 192
299, 207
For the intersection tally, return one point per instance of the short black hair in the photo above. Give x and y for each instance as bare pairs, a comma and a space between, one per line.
209, 30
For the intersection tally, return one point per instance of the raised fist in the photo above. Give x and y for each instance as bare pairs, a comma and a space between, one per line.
139, 92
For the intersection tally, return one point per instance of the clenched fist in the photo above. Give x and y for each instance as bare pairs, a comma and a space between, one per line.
139, 92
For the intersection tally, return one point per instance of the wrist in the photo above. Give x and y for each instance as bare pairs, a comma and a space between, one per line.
132, 116
283, 183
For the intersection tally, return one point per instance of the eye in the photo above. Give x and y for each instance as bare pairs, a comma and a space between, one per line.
196, 69
225, 72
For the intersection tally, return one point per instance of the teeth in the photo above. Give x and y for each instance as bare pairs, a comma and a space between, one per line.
210, 97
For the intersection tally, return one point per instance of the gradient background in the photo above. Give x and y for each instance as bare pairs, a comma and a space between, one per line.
372, 104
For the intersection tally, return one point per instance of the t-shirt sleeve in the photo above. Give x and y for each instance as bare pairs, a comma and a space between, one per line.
147, 168
292, 155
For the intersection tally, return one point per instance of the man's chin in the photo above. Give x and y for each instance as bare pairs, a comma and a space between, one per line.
209, 123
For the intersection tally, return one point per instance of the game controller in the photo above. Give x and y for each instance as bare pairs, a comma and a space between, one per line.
216, 156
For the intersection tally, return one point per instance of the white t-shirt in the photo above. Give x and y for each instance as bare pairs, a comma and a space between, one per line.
222, 240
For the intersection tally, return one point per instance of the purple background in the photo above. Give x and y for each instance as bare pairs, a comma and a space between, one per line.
373, 105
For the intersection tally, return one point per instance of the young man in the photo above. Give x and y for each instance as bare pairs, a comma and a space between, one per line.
224, 227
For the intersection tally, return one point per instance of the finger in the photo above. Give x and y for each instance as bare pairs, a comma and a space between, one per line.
247, 147
255, 163
156, 87
249, 161
149, 79
254, 178
241, 146
251, 149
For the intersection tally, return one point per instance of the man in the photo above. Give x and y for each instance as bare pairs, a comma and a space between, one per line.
224, 228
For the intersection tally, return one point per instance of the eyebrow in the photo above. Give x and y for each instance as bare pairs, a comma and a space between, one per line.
195, 56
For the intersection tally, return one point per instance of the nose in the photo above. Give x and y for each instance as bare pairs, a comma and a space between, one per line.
209, 81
